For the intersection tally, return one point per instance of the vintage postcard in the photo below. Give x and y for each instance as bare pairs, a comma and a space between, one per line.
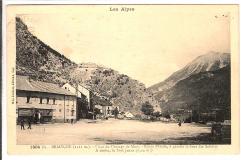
123, 79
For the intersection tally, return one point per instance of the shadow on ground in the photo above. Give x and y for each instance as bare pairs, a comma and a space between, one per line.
203, 138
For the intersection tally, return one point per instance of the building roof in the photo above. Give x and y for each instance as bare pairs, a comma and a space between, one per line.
26, 84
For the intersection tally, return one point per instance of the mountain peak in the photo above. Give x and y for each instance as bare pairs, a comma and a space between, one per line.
211, 61
208, 62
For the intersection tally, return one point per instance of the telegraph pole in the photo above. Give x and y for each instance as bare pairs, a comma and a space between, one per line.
64, 108
191, 115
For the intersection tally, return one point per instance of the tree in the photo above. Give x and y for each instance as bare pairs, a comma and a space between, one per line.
147, 108
195, 116
156, 114
168, 116
96, 111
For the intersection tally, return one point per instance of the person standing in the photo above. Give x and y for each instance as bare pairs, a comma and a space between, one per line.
72, 121
180, 123
29, 123
22, 124
116, 112
39, 117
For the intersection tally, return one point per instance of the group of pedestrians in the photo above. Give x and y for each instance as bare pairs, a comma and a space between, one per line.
36, 117
22, 123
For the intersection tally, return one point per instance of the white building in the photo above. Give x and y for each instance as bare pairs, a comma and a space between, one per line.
79, 90
84, 102
107, 110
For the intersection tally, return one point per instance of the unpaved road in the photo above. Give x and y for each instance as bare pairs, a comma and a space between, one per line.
112, 132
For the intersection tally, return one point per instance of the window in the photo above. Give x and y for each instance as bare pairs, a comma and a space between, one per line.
47, 100
53, 100
44, 101
50, 101
41, 100
28, 99
59, 110
72, 113
34, 98
67, 101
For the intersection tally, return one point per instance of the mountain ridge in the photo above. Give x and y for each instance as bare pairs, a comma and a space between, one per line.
202, 92
36, 59
207, 62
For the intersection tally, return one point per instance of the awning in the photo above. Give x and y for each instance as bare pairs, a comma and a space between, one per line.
31, 111
36, 107
25, 112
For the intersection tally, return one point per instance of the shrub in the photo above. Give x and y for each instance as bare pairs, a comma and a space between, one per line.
156, 114
147, 108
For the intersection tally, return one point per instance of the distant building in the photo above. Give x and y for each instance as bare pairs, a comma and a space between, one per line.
103, 104
106, 110
45, 102
129, 115
88, 100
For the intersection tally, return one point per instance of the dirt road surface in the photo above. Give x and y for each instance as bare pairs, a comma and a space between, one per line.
113, 131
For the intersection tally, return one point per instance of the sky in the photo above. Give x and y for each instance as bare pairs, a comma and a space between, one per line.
147, 44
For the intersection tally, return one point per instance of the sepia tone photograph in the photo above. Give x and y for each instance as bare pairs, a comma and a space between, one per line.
122, 75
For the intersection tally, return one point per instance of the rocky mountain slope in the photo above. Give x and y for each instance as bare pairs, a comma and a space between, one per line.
208, 62
35, 58
38, 60
202, 92
202, 85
